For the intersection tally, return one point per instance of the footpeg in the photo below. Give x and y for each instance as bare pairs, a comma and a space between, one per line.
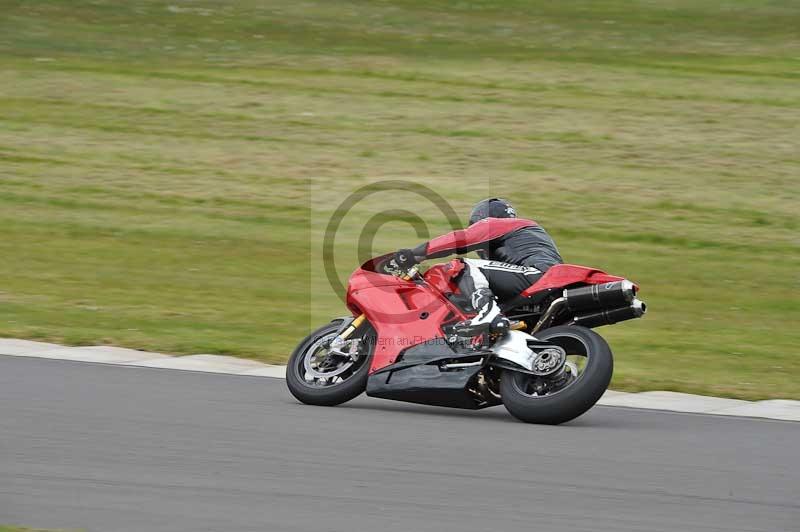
468, 329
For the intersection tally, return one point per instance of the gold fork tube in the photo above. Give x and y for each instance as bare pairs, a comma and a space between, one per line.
352, 327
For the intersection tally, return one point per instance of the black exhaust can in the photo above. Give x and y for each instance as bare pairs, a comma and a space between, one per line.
599, 296
611, 316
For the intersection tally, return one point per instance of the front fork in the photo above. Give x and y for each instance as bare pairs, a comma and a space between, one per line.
341, 339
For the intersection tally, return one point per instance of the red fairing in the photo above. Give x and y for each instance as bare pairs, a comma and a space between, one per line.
562, 275
478, 233
395, 308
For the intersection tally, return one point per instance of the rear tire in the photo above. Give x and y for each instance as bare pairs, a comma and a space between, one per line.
576, 397
332, 394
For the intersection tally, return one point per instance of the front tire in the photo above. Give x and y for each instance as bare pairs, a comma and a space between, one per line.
344, 386
574, 398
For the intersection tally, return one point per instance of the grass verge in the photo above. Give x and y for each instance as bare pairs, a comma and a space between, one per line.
167, 168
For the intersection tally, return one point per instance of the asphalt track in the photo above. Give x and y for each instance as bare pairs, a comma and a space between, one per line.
109, 448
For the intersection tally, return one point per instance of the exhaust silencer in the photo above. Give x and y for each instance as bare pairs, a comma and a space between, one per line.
611, 316
601, 296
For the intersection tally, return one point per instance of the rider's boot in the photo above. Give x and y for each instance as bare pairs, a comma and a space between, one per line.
489, 318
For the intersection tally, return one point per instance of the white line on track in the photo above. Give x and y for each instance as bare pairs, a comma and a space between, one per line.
671, 401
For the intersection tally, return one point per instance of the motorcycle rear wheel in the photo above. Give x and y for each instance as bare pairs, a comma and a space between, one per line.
575, 397
322, 386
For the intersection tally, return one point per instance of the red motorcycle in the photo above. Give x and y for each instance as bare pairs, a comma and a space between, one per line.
402, 343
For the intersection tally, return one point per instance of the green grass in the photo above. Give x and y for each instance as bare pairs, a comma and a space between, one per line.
167, 168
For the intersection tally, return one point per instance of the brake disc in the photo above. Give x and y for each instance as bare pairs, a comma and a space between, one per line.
322, 373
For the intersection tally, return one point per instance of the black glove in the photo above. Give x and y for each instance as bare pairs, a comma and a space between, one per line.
405, 259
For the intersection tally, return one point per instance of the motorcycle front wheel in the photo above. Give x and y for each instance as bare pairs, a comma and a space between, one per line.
315, 376
588, 371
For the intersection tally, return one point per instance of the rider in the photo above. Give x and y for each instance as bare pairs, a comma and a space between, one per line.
514, 252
